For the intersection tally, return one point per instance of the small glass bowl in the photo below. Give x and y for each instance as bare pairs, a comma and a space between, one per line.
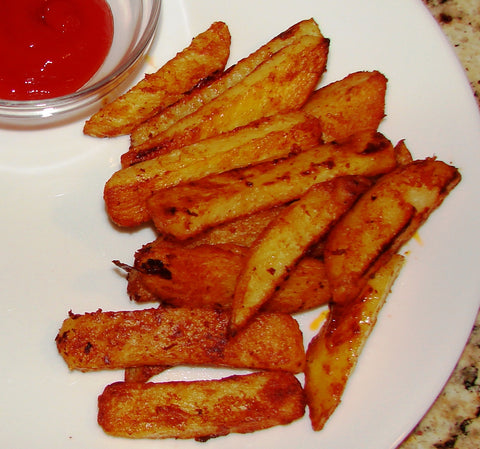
135, 24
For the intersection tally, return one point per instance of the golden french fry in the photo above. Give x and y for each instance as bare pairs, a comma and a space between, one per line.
333, 353
353, 104
166, 270
207, 54
382, 220
304, 289
163, 272
113, 340
188, 209
242, 231
282, 83
275, 254
201, 409
128, 189
205, 93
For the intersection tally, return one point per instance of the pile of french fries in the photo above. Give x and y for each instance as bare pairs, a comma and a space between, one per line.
271, 197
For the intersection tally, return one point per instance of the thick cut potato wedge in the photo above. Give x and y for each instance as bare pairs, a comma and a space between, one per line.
304, 289
353, 104
333, 353
127, 191
280, 84
189, 209
206, 55
241, 231
163, 272
205, 93
382, 220
166, 271
201, 409
275, 254
112, 340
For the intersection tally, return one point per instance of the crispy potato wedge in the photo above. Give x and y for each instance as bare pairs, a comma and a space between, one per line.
304, 289
163, 272
382, 220
166, 270
333, 353
275, 254
127, 190
113, 340
188, 209
205, 93
281, 83
242, 231
353, 104
201, 409
207, 54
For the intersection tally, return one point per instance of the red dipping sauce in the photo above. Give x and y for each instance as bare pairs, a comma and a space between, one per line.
50, 48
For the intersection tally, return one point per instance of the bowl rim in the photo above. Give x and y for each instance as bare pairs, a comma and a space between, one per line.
85, 93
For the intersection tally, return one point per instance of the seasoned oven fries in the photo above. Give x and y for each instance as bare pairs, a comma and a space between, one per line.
113, 340
189, 209
201, 409
333, 353
205, 56
281, 83
382, 220
229, 78
279, 248
270, 196
163, 272
127, 191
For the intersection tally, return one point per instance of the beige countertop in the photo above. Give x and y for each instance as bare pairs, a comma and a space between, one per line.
454, 419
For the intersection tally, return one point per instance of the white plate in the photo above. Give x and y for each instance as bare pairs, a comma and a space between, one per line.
57, 242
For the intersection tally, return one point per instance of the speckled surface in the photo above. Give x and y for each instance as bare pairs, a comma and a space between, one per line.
460, 20
454, 419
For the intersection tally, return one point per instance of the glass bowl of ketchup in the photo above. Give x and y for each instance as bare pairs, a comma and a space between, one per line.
62, 58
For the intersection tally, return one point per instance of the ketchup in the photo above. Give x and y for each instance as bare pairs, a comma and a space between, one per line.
50, 48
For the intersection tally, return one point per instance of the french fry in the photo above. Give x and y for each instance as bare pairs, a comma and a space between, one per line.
188, 209
163, 272
305, 289
241, 231
204, 94
127, 191
167, 270
201, 409
333, 353
281, 83
169, 337
352, 104
206, 55
382, 220
276, 252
